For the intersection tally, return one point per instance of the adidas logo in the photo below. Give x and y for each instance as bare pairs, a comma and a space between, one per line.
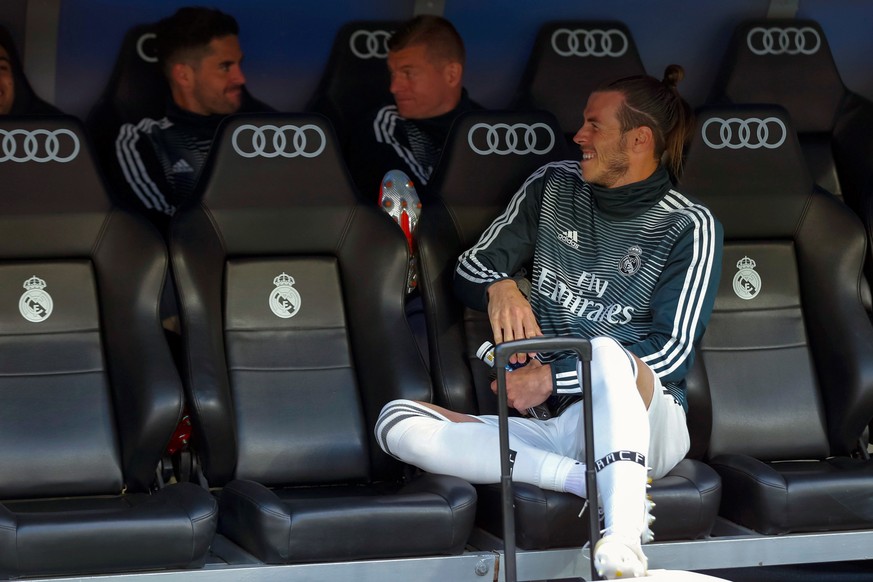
569, 238
181, 167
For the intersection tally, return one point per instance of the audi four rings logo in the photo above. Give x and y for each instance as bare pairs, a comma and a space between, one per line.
38, 145
149, 56
735, 133
370, 44
783, 41
503, 139
589, 43
307, 141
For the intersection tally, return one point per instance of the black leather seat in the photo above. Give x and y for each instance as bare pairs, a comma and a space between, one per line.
474, 186
569, 59
89, 395
788, 353
292, 302
788, 62
355, 79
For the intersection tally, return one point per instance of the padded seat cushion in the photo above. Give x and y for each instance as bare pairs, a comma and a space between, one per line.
796, 496
172, 527
686, 503
431, 515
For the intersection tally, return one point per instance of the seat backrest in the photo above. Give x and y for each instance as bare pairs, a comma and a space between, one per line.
788, 62
786, 352
355, 79
137, 88
89, 396
569, 60
488, 156
291, 296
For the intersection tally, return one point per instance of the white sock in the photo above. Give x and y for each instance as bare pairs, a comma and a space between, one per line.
575, 482
420, 436
621, 438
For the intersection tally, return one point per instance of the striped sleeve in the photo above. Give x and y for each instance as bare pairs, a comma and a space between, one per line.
129, 149
384, 128
506, 245
683, 299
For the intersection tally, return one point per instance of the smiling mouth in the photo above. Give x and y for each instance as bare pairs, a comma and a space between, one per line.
587, 156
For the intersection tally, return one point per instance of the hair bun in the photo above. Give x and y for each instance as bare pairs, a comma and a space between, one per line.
672, 75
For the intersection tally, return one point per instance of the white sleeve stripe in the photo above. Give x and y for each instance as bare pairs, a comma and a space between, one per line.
688, 314
383, 126
696, 283
133, 168
469, 267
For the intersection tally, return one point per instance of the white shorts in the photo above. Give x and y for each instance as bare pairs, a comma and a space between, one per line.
668, 432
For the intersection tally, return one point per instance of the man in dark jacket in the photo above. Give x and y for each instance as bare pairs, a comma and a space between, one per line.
426, 59
17, 97
161, 159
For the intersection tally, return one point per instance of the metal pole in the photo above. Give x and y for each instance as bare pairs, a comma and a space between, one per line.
587, 421
507, 496
542, 345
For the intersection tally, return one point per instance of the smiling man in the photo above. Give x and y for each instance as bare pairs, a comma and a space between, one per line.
620, 258
161, 160
426, 60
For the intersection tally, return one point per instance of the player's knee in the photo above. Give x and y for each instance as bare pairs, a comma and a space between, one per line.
406, 430
608, 354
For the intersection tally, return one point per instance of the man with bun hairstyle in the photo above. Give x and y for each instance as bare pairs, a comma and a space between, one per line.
619, 257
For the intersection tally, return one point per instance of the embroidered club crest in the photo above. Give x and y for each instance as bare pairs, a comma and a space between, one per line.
747, 282
284, 299
35, 304
630, 263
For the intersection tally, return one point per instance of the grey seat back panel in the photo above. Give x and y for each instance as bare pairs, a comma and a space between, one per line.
52, 361
288, 352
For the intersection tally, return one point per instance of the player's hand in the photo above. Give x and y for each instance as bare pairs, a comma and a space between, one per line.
528, 386
511, 315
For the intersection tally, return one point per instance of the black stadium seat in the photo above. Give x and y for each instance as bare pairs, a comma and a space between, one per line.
789, 63
569, 59
788, 353
292, 301
355, 79
89, 395
479, 171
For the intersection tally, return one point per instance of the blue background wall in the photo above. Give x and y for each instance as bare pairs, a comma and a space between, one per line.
287, 43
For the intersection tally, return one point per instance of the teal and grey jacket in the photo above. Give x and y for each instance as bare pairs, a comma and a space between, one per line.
638, 263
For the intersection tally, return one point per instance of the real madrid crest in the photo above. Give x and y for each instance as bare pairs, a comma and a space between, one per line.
284, 300
630, 263
35, 304
747, 282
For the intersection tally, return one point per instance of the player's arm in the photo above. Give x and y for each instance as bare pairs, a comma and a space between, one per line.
683, 299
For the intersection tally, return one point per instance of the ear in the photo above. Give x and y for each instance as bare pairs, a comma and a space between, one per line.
642, 139
453, 74
182, 74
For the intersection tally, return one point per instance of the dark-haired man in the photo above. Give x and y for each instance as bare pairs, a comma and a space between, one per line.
161, 160
426, 60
